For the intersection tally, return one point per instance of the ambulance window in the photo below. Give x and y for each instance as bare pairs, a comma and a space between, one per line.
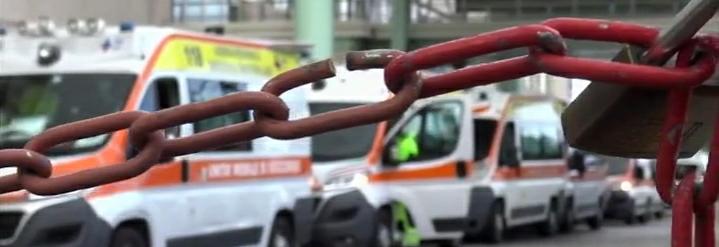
508, 154
30, 104
531, 147
162, 93
541, 141
617, 165
341, 144
203, 90
440, 132
432, 133
483, 134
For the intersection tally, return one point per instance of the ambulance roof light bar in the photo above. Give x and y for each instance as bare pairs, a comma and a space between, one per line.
85, 27
44, 27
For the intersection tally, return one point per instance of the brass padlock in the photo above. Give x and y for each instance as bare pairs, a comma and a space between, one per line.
626, 121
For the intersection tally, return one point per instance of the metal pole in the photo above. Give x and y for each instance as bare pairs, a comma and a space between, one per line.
399, 25
314, 24
684, 25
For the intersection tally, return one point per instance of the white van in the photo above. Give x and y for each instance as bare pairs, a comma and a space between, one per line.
480, 162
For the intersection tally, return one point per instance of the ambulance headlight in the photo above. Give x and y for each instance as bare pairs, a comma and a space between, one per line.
357, 180
94, 25
626, 186
77, 26
48, 54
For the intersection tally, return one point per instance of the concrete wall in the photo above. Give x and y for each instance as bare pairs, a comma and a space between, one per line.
113, 11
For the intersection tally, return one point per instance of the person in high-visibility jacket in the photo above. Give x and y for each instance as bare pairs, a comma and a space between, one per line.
407, 147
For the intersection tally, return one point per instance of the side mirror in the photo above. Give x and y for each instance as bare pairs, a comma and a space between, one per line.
578, 163
389, 158
638, 173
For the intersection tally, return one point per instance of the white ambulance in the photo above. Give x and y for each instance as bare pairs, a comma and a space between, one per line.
254, 193
634, 196
475, 162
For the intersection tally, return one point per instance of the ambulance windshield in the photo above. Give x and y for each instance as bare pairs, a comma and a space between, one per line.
30, 104
617, 165
341, 144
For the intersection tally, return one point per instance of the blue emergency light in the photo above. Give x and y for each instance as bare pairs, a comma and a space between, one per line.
127, 26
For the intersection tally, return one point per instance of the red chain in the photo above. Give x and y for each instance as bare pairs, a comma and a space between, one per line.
546, 55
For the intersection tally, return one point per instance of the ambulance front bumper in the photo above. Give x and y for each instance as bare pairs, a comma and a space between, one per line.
344, 219
52, 222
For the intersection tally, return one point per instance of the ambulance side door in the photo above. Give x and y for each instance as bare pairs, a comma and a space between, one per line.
431, 175
542, 169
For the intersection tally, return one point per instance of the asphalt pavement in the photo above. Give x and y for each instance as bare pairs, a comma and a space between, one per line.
614, 233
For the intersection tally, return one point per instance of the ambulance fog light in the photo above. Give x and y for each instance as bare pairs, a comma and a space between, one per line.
48, 54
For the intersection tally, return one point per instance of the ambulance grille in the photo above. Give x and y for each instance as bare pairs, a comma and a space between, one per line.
9, 222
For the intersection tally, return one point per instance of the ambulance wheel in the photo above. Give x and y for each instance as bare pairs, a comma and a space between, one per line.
595, 222
659, 214
647, 214
387, 234
568, 219
630, 220
449, 243
494, 229
281, 234
550, 226
128, 237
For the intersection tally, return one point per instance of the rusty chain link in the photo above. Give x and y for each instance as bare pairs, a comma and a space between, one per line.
547, 53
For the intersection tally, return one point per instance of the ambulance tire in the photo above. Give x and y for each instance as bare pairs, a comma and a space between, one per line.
659, 214
282, 233
128, 237
595, 222
385, 235
550, 226
496, 225
646, 216
568, 220
630, 219
449, 243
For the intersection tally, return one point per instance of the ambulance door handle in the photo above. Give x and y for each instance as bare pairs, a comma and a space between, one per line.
461, 169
